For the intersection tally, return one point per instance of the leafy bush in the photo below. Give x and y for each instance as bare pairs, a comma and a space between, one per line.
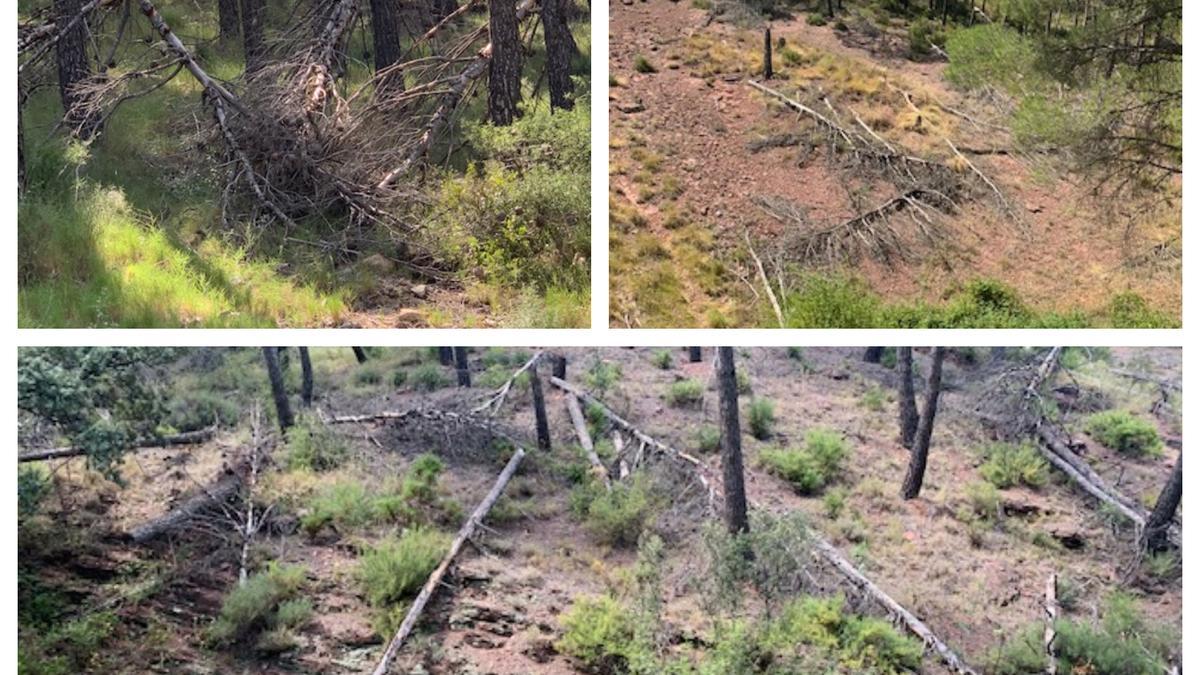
983, 500
815, 19
761, 416
1121, 431
255, 605
1008, 465
990, 55
708, 439
428, 377
834, 501
685, 393
602, 375
399, 377
921, 34
199, 410
417, 499
345, 505
873, 398
856, 643
312, 446
663, 359
744, 387
397, 567
597, 631
618, 516
66, 648
831, 301
368, 375
33, 484
808, 469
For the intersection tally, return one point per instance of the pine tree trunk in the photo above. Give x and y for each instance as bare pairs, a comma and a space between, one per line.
461, 365
360, 354
731, 443
873, 354
539, 409
306, 378
73, 69
446, 356
282, 408
504, 66
768, 72
443, 8
695, 355
229, 20
908, 397
20, 147
560, 367
1154, 537
253, 13
560, 48
920, 453
385, 34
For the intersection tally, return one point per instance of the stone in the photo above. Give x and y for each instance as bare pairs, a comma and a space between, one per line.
410, 318
420, 290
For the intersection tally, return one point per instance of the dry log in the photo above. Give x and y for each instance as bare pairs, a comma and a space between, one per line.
373, 417
435, 579
213, 496
185, 56
1008, 209
186, 438
585, 440
762, 274
493, 403
1051, 616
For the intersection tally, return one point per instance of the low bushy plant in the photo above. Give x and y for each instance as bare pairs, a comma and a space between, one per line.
617, 516
313, 447
708, 439
663, 359
254, 606
1121, 431
597, 631
761, 417
1008, 465
810, 468
193, 411
685, 393
428, 377
397, 567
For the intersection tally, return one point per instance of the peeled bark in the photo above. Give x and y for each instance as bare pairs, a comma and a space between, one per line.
504, 67
1158, 525
462, 366
306, 378
229, 20
73, 69
560, 48
385, 35
253, 44
539, 410
1049, 634
282, 408
920, 453
736, 519
908, 398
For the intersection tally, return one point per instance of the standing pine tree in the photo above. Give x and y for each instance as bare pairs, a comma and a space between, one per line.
560, 49
228, 20
306, 378
920, 453
908, 397
736, 519
504, 67
1154, 536
73, 70
385, 35
253, 43
282, 408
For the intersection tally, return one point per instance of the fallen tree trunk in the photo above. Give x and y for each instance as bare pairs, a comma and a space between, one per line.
187, 438
435, 579
185, 56
585, 440
373, 417
493, 403
215, 495
1049, 634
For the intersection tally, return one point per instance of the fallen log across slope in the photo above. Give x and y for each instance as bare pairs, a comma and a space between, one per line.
186, 438
211, 497
435, 579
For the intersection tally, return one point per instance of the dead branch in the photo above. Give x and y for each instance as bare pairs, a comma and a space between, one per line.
186, 438
1008, 209
435, 579
762, 274
214, 496
1049, 634
256, 459
585, 440
496, 400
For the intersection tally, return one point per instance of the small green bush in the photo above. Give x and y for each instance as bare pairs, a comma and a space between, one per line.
1121, 431
816, 19
598, 632
399, 378
428, 377
254, 606
663, 359
744, 386
1008, 465
615, 517
834, 501
346, 506
397, 567
685, 393
983, 500
708, 439
761, 417
873, 398
810, 468
921, 33
855, 643
602, 375
33, 484
199, 410
643, 65
312, 446
368, 375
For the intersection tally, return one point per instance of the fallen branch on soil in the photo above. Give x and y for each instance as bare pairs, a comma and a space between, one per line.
214, 496
1051, 616
186, 438
1004, 205
762, 274
585, 440
435, 579
496, 400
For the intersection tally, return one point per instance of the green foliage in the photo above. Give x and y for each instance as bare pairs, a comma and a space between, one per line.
397, 567
1129, 310
858, 644
602, 375
428, 377
252, 607
193, 411
761, 416
66, 648
663, 359
399, 377
1121, 431
312, 446
815, 19
810, 468
923, 33
368, 375
708, 439
831, 301
990, 55
1008, 465
643, 65
834, 501
744, 386
597, 631
873, 398
345, 505
349, 505
685, 393
983, 500
33, 484
1163, 565
617, 516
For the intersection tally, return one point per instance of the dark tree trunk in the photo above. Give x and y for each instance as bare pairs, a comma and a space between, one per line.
920, 453
282, 408
229, 20
385, 34
360, 354
560, 48
306, 378
446, 356
443, 8
560, 367
829, 7
253, 13
73, 70
945, 10
1154, 537
504, 67
768, 72
539, 409
461, 365
908, 397
694, 355
873, 354
731, 443
20, 147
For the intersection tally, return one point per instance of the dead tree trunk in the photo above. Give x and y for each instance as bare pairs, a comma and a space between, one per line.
446, 356
1154, 536
539, 409
282, 407
908, 397
253, 44
560, 49
360, 354
695, 355
873, 354
504, 68
228, 19
385, 36
435, 579
212, 496
186, 438
306, 378
768, 72
560, 366
461, 365
731, 444
920, 453
585, 440
73, 70
250, 526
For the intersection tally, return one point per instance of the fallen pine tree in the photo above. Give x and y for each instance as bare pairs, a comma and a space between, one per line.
186, 438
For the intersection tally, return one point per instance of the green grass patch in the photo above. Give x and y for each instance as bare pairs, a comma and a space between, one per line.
1125, 433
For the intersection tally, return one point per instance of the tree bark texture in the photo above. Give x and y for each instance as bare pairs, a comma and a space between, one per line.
253, 44
504, 67
908, 397
736, 519
695, 355
920, 453
539, 409
560, 49
1158, 525
229, 20
282, 408
462, 366
385, 36
306, 378
360, 354
73, 69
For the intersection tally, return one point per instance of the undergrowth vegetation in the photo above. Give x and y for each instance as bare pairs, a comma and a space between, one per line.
1125, 433
811, 467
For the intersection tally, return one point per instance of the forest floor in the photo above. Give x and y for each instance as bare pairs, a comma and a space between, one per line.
693, 147
499, 612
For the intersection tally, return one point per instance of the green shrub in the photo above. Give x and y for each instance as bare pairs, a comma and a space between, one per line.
292, 613
193, 411
602, 375
428, 377
368, 375
855, 643
33, 484
1121, 431
921, 33
397, 567
1129, 310
617, 516
815, 19
831, 301
399, 378
253, 606
312, 446
663, 359
598, 632
685, 393
983, 499
1008, 465
346, 506
761, 416
643, 65
834, 501
744, 387
708, 439
873, 398
991, 55
810, 468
